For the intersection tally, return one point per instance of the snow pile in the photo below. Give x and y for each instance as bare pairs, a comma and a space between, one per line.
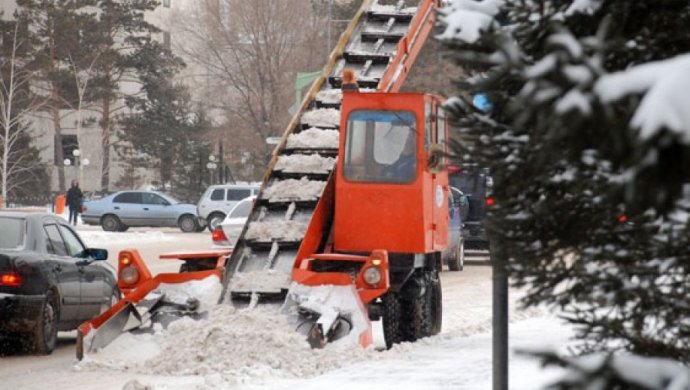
276, 230
207, 291
664, 106
238, 345
294, 190
322, 117
313, 163
99, 238
313, 138
330, 96
332, 301
466, 19
261, 281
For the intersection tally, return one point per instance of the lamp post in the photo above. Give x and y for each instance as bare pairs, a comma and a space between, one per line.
211, 165
79, 164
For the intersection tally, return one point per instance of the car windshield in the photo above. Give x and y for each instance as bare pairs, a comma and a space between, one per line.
242, 209
13, 231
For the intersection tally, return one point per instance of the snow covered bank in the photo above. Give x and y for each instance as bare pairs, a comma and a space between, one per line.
101, 238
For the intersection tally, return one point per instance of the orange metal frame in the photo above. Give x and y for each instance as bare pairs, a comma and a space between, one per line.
146, 283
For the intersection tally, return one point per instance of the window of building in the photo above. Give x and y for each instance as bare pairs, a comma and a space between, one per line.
69, 145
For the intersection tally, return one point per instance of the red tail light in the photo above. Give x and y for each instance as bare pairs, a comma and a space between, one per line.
490, 201
622, 218
11, 280
218, 234
83, 208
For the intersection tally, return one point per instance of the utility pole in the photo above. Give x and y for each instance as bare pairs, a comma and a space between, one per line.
500, 314
221, 164
328, 28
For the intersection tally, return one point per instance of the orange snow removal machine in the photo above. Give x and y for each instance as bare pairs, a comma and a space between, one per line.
333, 246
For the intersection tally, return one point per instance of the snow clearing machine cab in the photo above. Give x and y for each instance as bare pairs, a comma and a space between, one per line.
330, 246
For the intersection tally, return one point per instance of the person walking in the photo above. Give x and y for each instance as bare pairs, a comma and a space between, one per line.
74, 200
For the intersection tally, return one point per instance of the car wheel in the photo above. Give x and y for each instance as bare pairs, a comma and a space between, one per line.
45, 332
114, 298
456, 262
123, 228
188, 223
214, 220
111, 223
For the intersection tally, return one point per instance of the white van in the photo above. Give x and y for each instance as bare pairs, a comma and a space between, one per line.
219, 199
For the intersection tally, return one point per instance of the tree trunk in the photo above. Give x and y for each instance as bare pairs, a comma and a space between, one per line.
105, 144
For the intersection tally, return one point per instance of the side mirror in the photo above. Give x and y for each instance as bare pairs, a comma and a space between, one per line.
96, 254
434, 162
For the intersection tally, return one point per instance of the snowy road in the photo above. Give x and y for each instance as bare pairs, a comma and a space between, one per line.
458, 358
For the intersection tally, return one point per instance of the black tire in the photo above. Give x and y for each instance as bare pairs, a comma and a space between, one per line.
414, 324
391, 317
44, 335
214, 220
111, 223
188, 223
456, 261
123, 228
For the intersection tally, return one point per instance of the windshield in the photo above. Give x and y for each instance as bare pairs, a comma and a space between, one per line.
13, 230
380, 146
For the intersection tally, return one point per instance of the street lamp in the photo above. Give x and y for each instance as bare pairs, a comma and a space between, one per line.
79, 163
211, 165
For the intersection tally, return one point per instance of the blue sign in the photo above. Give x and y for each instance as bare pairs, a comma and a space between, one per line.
481, 102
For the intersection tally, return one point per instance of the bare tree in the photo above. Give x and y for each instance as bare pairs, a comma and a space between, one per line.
16, 107
247, 54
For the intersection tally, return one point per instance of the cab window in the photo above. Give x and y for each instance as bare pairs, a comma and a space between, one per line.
381, 146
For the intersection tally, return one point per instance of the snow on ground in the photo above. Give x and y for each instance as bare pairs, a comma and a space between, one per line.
313, 138
94, 239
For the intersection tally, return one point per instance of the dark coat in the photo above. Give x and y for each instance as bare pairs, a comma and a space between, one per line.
74, 198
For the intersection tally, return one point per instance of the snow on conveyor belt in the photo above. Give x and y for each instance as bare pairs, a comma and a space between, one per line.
294, 190
313, 138
305, 164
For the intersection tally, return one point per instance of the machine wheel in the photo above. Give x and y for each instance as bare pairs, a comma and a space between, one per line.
414, 323
188, 224
44, 335
111, 223
123, 228
456, 262
392, 317
214, 220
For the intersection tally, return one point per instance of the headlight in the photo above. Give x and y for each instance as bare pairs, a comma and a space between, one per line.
372, 276
129, 275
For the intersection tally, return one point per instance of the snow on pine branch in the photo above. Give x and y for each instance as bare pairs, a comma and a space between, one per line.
664, 106
465, 20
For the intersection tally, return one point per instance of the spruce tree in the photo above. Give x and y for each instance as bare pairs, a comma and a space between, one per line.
589, 202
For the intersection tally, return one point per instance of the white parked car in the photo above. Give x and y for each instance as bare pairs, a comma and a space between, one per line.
219, 199
227, 233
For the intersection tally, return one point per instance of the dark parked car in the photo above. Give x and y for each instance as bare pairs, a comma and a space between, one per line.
49, 280
119, 211
476, 184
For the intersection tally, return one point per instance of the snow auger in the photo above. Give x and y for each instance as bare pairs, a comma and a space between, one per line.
336, 245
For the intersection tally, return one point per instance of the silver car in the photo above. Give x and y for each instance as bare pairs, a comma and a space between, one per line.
119, 211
